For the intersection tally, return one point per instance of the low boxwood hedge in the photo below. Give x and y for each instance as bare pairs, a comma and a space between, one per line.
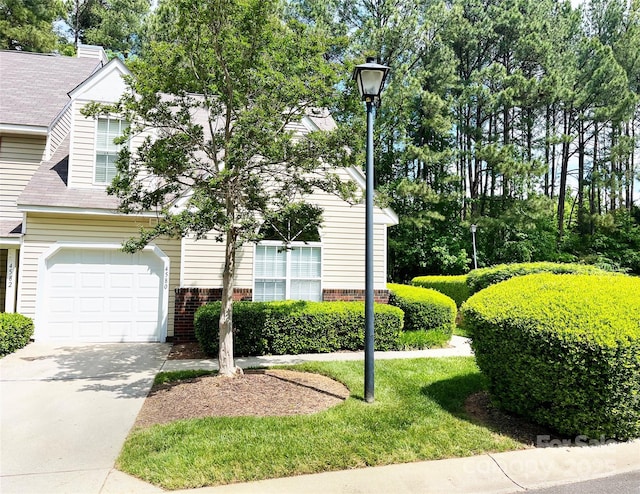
15, 332
293, 327
454, 287
562, 350
479, 279
429, 316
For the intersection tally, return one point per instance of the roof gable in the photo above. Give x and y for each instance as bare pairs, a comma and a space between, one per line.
104, 86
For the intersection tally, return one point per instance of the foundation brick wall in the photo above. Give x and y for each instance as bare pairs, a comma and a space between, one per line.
188, 300
330, 295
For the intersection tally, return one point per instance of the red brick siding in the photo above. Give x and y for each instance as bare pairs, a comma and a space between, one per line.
188, 300
331, 295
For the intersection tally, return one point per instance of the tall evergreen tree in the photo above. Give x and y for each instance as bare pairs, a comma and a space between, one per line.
27, 25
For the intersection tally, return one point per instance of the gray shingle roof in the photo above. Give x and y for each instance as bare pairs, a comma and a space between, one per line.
48, 187
10, 229
34, 87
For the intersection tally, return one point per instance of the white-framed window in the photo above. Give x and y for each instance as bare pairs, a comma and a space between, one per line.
293, 273
108, 129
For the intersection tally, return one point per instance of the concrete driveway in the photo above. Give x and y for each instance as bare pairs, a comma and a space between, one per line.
65, 411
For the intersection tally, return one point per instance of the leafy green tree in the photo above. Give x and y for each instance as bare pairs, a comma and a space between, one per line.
27, 25
221, 80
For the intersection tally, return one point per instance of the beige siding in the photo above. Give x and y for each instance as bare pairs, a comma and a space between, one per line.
3, 277
82, 155
44, 230
59, 131
204, 263
20, 157
343, 250
82, 152
343, 245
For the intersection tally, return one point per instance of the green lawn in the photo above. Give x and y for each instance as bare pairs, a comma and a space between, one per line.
418, 415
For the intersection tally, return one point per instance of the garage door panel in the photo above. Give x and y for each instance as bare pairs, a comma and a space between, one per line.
104, 295
121, 305
120, 329
91, 280
121, 280
60, 330
148, 282
145, 329
90, 305
63, 280
62, 304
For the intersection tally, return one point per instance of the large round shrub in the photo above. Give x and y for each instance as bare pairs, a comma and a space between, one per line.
479, 279
15, 332
293, 327
563, 350
454, 287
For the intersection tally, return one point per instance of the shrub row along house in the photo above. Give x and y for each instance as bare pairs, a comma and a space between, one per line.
61, 234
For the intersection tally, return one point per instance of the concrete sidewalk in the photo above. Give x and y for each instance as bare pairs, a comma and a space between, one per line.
459, 347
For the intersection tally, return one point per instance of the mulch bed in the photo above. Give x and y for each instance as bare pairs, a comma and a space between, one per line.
254, 393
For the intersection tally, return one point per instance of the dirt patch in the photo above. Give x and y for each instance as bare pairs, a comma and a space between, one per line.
256, 393
480, 409
190, 350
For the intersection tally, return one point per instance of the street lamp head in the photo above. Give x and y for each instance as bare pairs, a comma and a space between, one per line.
370, 78
474, 228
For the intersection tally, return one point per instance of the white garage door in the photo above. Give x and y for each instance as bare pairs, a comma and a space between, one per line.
103, 295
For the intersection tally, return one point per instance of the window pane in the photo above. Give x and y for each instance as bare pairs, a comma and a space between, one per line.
270, 262
103, 128
305, 290
105, 167
111, 167
101, 168
106, 150
268, 290
305, 262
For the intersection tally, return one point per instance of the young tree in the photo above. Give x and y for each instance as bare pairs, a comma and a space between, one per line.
220, 81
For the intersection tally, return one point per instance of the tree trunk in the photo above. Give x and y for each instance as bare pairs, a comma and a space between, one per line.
553, 154
562, 192
225, 337
580, 195
632, 165
547, 153
76, 27
594, 181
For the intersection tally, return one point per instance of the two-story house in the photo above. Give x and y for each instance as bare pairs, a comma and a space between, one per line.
61, 234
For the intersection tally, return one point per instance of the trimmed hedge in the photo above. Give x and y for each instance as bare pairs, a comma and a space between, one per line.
454, 287
425, 311
479, 279
293, 327
562, 350
15, 332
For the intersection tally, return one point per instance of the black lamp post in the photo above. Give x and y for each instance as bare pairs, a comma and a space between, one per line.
370, 79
